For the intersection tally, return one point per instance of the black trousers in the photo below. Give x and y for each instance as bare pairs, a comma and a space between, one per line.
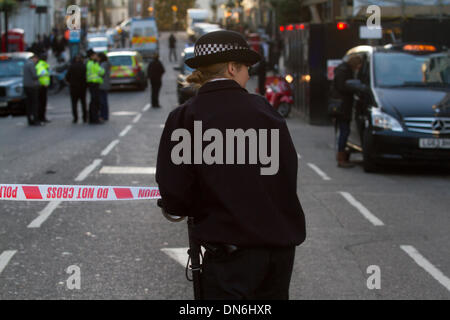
32, 104
156, 87
42, 110
78, 94
94, 105
248, 274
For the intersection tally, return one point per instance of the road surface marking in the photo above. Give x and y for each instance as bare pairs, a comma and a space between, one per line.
299, 156
109, 147
44, 214
5, 257
178, 254
127, 170
86, 171
363, 210
147, 106
125, 131
322, 174
161, 125
425, 264
136, 119
124, 113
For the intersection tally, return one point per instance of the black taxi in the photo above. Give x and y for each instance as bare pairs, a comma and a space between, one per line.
402, 104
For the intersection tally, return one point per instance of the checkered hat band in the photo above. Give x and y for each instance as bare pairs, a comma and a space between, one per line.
210, 48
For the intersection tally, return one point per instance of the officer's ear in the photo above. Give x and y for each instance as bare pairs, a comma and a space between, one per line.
232, 68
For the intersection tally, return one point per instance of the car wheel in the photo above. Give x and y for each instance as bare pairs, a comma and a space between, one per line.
369, 163
284, 109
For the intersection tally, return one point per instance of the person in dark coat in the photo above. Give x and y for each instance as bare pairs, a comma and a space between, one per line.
155, 72
76, 77
31, 88
248, 219
342, 73
172, 47
262, 74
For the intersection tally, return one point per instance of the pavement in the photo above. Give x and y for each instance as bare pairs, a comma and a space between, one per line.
369, 236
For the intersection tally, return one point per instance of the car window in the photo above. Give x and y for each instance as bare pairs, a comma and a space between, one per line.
149, 31
137, 32
404, 69
120, 60
186, 69
11, 68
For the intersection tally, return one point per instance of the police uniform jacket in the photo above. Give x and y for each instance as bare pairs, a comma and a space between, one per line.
232, 203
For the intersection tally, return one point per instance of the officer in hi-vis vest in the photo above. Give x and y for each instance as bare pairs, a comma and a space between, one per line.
43, 73
94, 74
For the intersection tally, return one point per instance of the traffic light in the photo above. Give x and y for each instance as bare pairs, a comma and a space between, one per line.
174, 8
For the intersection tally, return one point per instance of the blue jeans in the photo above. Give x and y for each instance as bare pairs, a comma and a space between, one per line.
104, 108
344, 132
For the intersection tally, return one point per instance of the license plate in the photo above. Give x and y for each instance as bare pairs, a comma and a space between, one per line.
434, 143
3, 103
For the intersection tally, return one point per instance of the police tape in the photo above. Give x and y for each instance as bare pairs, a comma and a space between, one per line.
28, 192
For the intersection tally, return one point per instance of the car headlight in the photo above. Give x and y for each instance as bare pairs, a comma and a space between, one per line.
16, 91
385, 121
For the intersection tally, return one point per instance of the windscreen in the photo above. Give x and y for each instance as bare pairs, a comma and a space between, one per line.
11, 68
120, 60
398, 69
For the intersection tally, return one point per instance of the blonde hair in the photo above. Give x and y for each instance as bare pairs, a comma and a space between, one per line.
203, 74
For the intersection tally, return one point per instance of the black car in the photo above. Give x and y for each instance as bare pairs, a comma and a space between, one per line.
402, 108
184, 92
12, 95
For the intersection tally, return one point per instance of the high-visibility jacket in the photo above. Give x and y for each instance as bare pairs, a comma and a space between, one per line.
94, 72
43, 73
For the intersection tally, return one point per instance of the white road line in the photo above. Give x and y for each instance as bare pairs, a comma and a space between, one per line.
127, 170
109, 147
161, 125
5, 257
178, 254
425, 264
86, 171
125, 131
147, 106
44, 214
299, 156
363, 210
322, 174
124, 113
136, 119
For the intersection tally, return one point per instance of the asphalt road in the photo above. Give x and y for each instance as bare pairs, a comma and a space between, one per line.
395, 222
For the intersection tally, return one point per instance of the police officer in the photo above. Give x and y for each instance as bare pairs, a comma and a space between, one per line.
31, 88
94, 74
43, 72
249, 223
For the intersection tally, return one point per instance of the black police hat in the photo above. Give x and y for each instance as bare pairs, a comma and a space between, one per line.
222, 46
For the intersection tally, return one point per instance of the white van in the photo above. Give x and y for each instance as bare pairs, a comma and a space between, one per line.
194, 16
144, 36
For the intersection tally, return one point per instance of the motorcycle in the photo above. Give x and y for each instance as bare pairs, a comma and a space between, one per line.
279, 93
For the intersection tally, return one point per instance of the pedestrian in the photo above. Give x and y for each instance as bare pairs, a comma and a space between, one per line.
104, 87
172, 47
155, 72
249, 223
342, 73
94, 74
43, 72
76, 77
31, 88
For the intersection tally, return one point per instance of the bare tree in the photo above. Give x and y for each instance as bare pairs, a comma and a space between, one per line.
145, 5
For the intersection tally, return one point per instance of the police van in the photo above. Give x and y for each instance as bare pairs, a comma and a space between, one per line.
144, 36
402, 109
